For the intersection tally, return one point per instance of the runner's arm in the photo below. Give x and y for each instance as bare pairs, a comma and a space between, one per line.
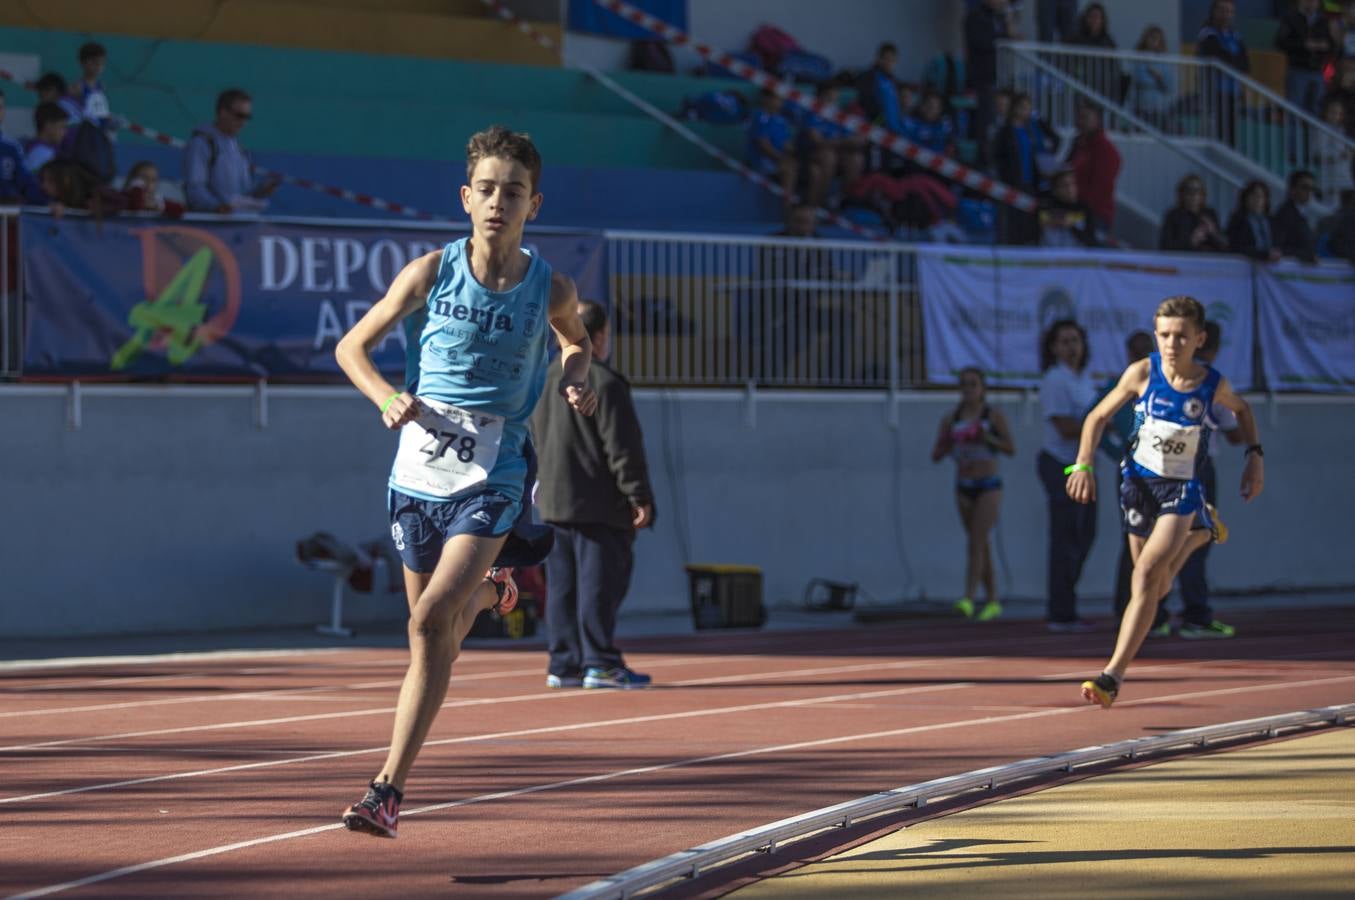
406, 293
943, 442
1254, 470
576, 349
1000, 438
1130, 385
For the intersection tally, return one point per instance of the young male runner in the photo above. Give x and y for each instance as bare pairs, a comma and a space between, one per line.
1160, 493
474, 315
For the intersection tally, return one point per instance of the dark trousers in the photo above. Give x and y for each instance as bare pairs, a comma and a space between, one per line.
1072, 531
1192, 582
587, 576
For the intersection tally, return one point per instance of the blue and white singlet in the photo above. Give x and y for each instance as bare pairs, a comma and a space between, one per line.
1171, 428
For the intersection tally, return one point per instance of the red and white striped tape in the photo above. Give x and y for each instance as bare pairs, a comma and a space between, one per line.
876, 134
341, 193
503, 12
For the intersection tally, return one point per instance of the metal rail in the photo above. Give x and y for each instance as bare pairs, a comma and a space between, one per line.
687, 864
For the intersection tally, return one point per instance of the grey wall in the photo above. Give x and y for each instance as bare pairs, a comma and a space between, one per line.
170, 510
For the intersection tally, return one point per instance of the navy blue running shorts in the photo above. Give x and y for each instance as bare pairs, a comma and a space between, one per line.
1143, 499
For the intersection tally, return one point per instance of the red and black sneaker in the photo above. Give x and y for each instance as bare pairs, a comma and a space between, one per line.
377, 813
507, 588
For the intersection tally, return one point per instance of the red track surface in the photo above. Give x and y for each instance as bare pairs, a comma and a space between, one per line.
226, 777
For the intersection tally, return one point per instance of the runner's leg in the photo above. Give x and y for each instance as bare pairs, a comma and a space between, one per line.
1153, 561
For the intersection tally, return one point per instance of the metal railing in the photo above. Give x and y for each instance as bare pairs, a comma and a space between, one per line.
1203, 101
652, 877
11, 306
1152, 161
724, 311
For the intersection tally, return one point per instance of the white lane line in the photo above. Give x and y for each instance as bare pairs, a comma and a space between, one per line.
111, 874
683, 661
82, 662
478, 701
552, 729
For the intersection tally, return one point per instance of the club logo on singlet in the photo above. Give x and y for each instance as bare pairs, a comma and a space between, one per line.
1193, 408
483, 319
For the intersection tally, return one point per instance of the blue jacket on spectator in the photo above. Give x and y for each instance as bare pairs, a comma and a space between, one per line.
776, 129
16, 182
887, 101
935, 136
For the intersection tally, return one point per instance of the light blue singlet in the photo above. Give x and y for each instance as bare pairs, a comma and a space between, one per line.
483, 350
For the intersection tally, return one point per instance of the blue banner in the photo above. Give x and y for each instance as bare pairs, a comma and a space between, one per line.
154, 298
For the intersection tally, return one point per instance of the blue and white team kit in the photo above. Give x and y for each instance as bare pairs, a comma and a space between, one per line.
1169, 443
476, 359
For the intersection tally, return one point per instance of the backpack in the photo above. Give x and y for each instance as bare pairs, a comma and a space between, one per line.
716, 107
651, 56
91, 149
810, 68
770, 44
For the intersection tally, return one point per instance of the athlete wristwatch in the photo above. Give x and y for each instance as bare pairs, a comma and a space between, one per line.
1254, 448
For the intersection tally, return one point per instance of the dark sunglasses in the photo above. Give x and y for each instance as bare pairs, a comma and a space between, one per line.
242, 116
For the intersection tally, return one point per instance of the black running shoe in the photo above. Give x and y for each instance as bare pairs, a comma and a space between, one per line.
377, 813
1102, 689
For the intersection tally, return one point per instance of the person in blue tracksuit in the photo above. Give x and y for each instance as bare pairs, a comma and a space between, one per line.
476, 317
1165, 512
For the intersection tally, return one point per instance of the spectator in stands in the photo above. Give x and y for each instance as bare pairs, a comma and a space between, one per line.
1345, 29
1306, 39
1096, 164
51, 88
1343, 90
930, 126
1331, 157
17, 184
878, 90
827, 149
1341, 233
1293, 233
1067, 393
1002, 110
769, 146
1153, 84
1055, 20
1065, 221
1101, 74
1249, 231
66, 186
1218, 39
142, 190
49, 131
89, 90
1191, 225
1016, 157
984, 25
218, 173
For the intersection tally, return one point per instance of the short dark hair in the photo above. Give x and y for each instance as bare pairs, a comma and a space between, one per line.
52, 81
1047, 358
594, 316
886, 47
229, 97
92, 50
1136, 342
1298, 175
500, 143
46, 113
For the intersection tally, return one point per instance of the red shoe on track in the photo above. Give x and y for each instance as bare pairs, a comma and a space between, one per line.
377, 813
507, 588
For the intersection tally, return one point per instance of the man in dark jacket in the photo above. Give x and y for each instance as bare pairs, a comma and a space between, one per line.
1305, 37
595, 492
1290, 229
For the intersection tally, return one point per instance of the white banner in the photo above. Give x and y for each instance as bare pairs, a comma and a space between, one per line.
1307, 316
989, 308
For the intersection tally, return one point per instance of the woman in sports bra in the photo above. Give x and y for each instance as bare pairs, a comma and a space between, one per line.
1164, 508
974, 434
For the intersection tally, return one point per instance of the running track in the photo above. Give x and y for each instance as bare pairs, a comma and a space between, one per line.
215, 776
